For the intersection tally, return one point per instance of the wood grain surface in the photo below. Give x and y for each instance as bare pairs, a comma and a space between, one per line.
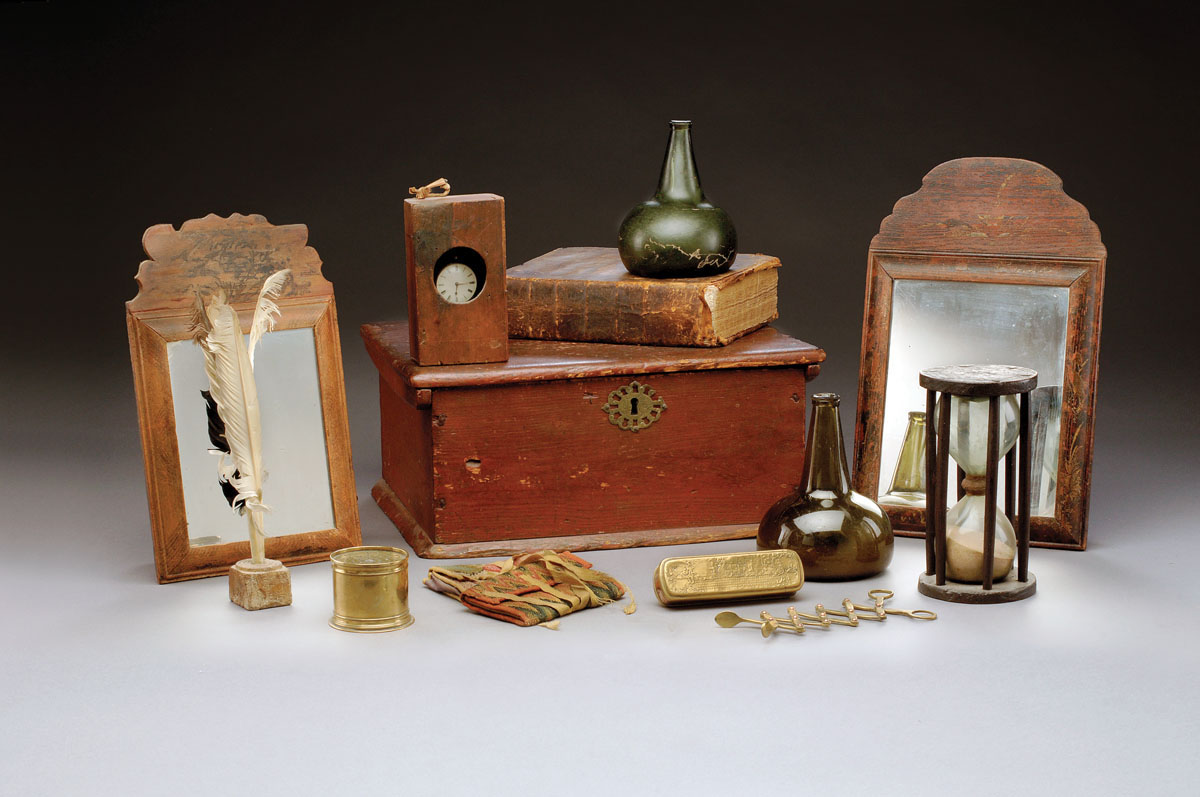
416, 536
542, 360
237, 253
991, 220
443, 332
505, 454
979, 380
996, 206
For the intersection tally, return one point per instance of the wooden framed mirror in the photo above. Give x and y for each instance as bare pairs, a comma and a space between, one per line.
306, 439
989, 262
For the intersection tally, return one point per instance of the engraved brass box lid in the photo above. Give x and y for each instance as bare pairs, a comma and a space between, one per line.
728, 577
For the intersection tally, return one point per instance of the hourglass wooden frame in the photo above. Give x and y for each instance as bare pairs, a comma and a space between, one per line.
991, 382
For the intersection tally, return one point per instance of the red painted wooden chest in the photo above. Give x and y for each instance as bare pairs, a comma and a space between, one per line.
541, 451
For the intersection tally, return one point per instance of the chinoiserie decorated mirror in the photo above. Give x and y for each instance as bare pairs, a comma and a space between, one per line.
305, 433
989, 262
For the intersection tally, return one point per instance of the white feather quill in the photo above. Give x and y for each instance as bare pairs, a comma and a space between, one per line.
266, 311
229, 365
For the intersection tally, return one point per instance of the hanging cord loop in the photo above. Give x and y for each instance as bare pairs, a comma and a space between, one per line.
426, 191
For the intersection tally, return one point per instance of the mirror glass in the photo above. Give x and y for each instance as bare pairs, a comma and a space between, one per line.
955, 323
296, 486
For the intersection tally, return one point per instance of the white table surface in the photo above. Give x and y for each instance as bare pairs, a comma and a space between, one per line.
114, 684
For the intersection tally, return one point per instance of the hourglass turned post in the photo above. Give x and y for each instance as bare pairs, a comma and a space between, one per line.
970, 548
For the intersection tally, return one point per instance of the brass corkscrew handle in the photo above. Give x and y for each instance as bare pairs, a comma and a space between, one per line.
854, 612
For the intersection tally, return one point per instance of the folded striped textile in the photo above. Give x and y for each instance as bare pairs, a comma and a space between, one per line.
528, 589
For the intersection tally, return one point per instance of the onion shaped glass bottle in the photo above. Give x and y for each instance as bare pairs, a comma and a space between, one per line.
677, 233
839, 533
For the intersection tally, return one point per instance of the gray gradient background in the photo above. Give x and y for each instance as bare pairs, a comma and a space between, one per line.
808, 126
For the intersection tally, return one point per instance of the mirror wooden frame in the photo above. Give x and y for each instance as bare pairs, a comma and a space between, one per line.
236, 253
991, 220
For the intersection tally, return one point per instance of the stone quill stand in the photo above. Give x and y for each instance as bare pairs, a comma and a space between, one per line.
260, 586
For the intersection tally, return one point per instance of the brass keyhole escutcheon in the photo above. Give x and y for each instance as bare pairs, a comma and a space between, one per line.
634, 407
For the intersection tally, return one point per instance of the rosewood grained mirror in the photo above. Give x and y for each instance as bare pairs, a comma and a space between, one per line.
989, 262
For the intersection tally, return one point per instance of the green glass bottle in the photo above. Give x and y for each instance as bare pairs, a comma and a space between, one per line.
838, 533
908, 481
678, 233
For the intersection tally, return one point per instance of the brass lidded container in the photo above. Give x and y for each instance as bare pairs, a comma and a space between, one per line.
370, 589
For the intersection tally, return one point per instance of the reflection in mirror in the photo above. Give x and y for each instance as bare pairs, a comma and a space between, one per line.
908, 479
297, 484
954, 323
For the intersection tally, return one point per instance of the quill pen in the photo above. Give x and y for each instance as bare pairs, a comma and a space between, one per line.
228, 362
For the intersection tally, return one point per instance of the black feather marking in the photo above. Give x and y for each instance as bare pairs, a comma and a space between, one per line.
216, 426
231, 493
216, 436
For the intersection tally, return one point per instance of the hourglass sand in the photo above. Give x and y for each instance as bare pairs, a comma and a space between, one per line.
970, 547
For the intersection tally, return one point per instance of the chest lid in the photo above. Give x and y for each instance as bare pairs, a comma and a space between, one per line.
548, 360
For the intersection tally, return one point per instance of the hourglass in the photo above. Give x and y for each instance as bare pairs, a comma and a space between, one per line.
970, 548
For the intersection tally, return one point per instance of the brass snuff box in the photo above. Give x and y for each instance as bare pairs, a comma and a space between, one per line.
728, 577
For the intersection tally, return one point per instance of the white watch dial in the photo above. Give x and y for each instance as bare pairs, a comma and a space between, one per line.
456, 283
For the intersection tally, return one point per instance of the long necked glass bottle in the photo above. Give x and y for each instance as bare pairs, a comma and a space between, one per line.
908, 481
678, 233
838, 532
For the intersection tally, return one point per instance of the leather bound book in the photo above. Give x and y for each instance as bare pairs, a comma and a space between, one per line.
585, 294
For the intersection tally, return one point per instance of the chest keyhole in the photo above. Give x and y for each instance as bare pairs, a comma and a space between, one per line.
633, 406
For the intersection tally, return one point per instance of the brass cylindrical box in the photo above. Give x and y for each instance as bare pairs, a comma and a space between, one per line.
370, 589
